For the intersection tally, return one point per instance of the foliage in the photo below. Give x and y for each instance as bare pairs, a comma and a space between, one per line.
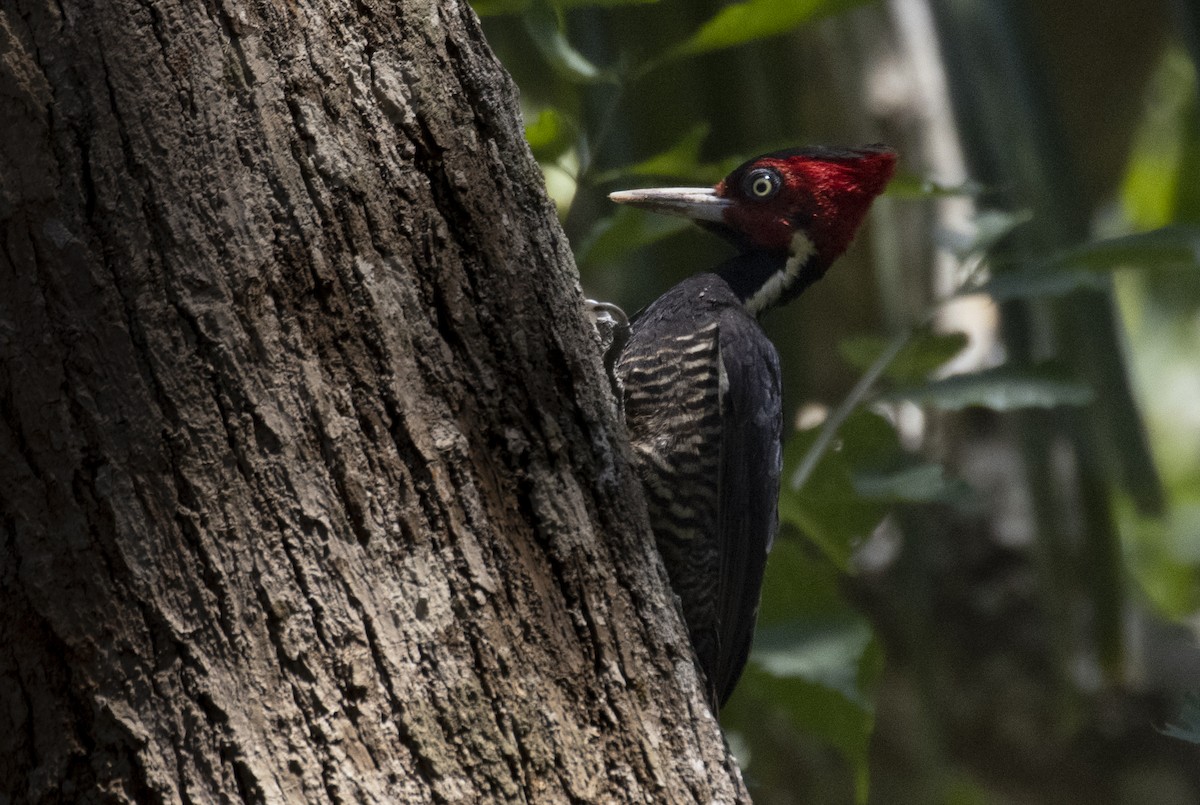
740, 23
1159, 191
1188, 728
814, 659
1089, 266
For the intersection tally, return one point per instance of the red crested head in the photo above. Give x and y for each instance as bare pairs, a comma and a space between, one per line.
790, 213
822, 193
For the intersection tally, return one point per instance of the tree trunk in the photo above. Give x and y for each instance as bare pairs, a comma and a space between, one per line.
311, 486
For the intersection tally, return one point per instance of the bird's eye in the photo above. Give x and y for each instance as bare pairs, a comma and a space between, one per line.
761, 183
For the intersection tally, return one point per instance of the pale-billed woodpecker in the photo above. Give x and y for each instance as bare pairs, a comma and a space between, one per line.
700, 380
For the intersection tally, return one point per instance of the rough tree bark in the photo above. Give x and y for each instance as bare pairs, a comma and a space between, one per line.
310, 486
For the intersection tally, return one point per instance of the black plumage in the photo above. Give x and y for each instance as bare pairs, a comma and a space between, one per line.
702, 405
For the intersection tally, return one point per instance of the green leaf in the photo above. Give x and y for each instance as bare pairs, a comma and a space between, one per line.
917, 482
990, 227
491, 8
813, 667
868, 440
1004, 388
1163, 553
561, 186
808, 708
611, 239
910, 186
828, 509
924, 352
549, 134
799, 580
806, 627
1189, 717
1029, 283
756, 19
572, 4
1161, 179
822, 650
1168, 245
680, 160
544, 25
1089, 266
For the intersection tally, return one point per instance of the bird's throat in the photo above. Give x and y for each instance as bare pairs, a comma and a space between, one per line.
763, 279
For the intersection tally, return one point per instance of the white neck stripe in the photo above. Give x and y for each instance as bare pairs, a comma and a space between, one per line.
799, 251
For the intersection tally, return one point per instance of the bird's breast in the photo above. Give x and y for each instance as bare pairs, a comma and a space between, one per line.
672, 386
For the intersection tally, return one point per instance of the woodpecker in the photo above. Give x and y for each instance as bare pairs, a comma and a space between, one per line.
701, 383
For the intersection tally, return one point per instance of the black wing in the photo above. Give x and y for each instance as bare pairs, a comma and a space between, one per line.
750, 466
